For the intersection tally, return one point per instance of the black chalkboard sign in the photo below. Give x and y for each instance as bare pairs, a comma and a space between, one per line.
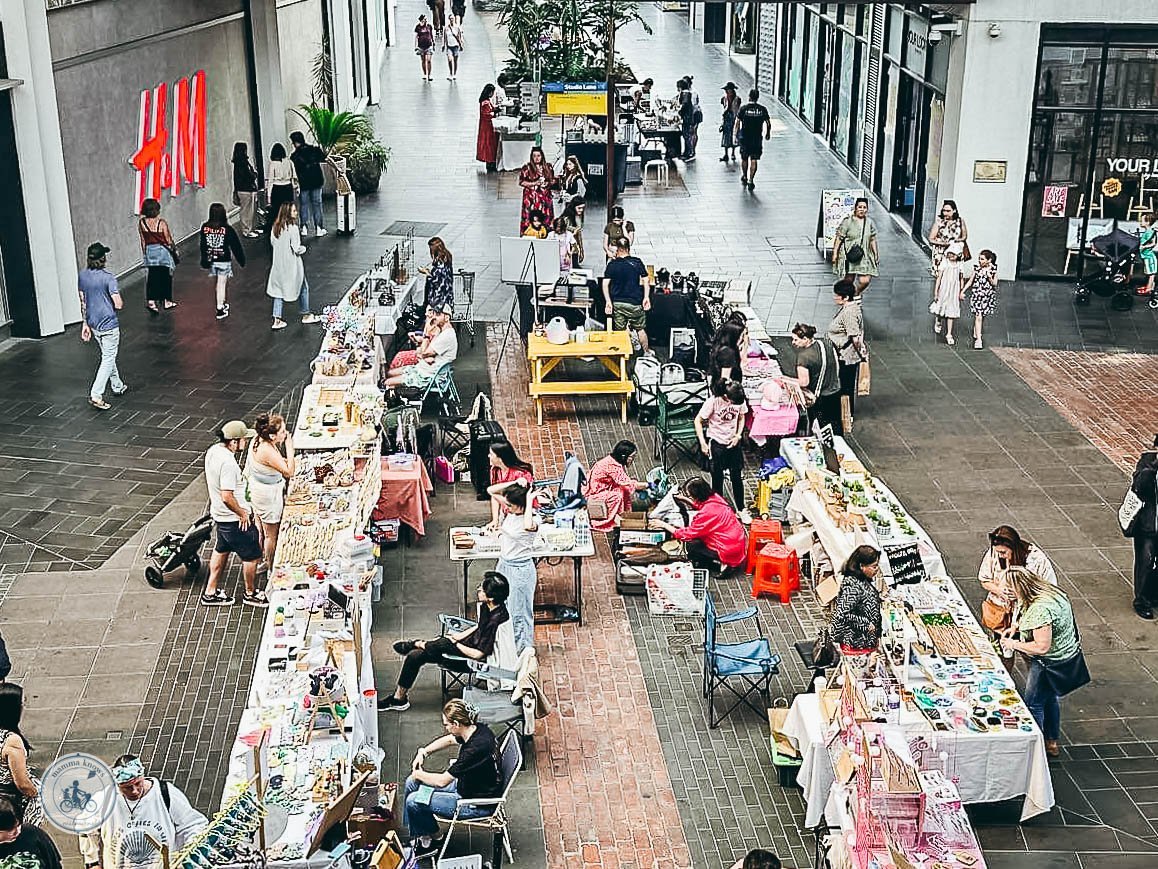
905, 564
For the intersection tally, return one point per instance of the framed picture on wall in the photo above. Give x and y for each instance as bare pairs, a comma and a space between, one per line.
989, 171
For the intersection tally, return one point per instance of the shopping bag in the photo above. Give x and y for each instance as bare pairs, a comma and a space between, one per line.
785, 747
1128, 513
846, 413
864, 379
443, 470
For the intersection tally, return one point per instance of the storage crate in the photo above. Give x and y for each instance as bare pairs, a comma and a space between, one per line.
676, 589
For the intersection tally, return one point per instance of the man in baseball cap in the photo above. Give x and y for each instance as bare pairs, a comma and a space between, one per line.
232, 517
100, 299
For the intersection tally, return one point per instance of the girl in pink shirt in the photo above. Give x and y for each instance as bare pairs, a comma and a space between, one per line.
719, 427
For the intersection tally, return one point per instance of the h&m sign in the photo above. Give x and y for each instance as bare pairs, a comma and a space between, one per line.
170, 153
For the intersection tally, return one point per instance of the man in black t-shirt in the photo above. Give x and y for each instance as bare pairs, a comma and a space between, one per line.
753, 126
23, 846
308, 160
627, 291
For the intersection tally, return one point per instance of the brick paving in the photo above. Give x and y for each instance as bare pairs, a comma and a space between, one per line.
603, 783
1112, 398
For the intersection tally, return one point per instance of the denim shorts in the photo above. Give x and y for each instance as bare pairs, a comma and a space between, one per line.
218, 269
244, 544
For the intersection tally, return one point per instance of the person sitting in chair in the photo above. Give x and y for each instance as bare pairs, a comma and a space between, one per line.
476, 643
714, 538
441, 349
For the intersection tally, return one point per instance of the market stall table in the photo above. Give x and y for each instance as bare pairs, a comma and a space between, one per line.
405, 494
485, 547
611, 349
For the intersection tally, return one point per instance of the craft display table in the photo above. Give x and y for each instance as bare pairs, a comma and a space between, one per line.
405, 495
611, 349
486, 548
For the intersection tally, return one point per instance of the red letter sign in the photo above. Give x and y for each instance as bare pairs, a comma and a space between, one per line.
159, 166
189, 142
150, 160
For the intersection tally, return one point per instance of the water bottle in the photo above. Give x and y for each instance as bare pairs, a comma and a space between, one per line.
894, 705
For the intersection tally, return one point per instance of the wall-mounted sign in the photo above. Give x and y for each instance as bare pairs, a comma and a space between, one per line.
576, 98
1133, 165
835, 206
989, 171
1053, 200
165, 161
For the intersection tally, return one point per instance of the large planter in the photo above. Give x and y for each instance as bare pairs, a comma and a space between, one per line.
364, 175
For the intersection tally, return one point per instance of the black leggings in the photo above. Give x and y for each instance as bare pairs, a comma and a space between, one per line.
701, 556
827, 412
433, 654
848, 378
730, 459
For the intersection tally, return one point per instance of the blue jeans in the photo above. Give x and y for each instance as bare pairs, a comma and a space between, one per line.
419, 818
109, 342
303, 302
523, 577
1042, 701
310, 205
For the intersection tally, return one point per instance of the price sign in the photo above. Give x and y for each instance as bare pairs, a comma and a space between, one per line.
905, 565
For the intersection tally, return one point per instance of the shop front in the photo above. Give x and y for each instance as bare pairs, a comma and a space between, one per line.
1093, 144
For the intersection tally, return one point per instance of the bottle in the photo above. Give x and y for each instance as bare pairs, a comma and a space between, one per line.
894, 705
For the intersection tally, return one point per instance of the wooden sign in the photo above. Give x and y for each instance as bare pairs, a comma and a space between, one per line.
905, 565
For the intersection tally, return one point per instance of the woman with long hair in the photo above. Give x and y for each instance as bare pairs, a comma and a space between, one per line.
856, 620
610, 488
536, 178
439, 277
505, 468
1007, 549
16, 784
1047, 634
267, 471
486, 149
245, 188
573, 216
281, 181
731, 102
572, 182
947, 228
220, 245
729, 346
287, 273
159, 254
517, 531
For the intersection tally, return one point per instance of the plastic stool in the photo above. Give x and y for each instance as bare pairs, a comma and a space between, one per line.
762, 531
777, 572
661, 171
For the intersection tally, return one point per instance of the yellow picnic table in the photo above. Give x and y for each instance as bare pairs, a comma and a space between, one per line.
612, 349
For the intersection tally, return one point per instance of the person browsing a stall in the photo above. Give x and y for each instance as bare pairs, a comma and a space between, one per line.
1007, 549
715, 538
476, 643
232, 516
505, 468
856, 620
627, 291
24, 845
517, 531
147, 813
475, 774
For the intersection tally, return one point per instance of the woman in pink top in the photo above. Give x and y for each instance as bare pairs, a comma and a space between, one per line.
506, 467
719, 428
714, 538
611, 488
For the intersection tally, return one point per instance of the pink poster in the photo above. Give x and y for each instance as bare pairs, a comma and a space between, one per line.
1053, 201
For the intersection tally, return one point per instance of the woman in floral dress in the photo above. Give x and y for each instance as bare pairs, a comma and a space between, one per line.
947, 228
983, 292
536, 178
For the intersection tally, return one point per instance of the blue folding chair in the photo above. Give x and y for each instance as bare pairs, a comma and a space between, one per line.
441, 385
744, 668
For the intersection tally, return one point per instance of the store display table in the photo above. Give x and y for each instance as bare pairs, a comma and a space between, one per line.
611, 349
405, 494
486, 548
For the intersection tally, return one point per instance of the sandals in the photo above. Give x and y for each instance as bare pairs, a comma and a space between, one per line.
99, 403
218, 598
170, 305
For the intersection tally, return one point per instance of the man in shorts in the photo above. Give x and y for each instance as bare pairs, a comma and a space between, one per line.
753, 127
232, 517
627, 289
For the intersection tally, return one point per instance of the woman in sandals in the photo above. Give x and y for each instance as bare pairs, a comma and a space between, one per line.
157, 249
268, 470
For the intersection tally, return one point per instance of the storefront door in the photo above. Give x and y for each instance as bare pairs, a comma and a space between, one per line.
715, 22
909, 162
744, 27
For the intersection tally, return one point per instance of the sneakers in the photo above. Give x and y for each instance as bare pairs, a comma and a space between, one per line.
222, 313
746, 516
310, 318
977, 344
278, 324
256, 599
405, 647
124, 388
99, 403
321, 230
393, 704
218, 598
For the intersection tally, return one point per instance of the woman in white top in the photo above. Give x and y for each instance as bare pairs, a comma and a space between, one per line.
281, 180
453, 42
287, 274
517, 531
1006, 550
268, 470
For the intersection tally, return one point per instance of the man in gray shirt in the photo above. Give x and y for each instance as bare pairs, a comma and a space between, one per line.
100, 299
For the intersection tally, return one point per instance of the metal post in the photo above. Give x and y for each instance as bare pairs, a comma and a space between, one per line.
609, 163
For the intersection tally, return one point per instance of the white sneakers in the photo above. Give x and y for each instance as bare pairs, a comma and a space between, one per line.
310, 318
321, 231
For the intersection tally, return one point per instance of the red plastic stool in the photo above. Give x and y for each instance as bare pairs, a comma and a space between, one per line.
762, 531
777, 572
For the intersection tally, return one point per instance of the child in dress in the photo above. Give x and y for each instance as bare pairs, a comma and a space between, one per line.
948, 291
983, 292
1148, 249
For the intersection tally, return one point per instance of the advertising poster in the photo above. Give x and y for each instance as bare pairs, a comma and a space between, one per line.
1053, 200
835, 206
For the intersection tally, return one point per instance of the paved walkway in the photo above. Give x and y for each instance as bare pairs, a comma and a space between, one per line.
626, 774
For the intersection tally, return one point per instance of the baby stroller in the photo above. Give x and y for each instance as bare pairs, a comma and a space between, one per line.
176, 549
1115, 253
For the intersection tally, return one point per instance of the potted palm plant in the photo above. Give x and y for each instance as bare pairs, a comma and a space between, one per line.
365, 163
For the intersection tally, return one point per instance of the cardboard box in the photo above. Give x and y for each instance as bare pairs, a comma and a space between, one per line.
634, 520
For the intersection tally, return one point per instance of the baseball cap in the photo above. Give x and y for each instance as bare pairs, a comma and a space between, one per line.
440, 309
236, 429
96, 250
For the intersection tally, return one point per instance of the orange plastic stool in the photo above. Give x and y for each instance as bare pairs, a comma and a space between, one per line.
762, 531
777, 572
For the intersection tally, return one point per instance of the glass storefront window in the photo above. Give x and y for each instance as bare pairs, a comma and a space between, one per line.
846, 107
1069, 75
1131, 78
796, 62
744, 27
1058, 161
808, 106
896, 32
939, 66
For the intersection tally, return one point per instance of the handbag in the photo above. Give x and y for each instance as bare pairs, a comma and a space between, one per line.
855, 253
1128, 513
864, 379
1066, 676
994, 617
966, 254
823, 650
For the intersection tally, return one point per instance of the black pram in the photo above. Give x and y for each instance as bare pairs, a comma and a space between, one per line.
1115, 253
